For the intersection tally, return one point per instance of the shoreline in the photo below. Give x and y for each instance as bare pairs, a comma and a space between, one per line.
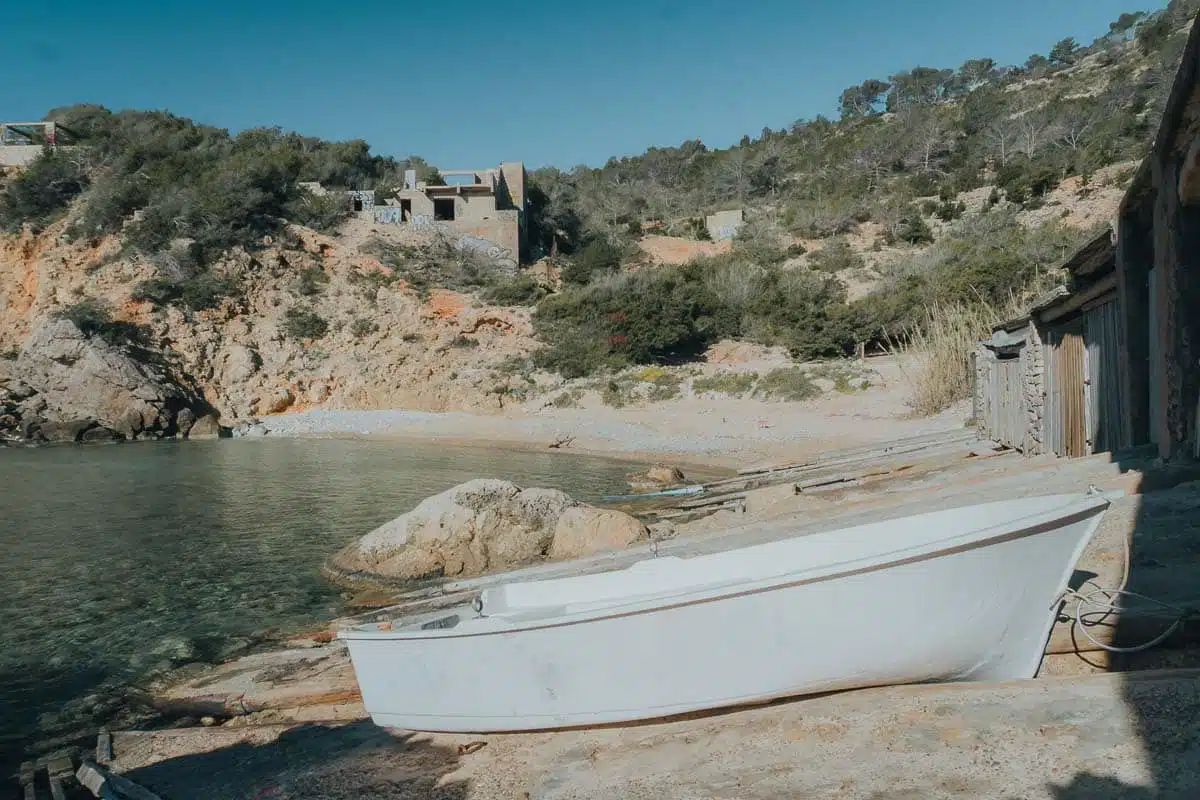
719, 436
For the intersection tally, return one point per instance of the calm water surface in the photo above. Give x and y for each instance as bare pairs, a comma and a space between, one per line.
118, 561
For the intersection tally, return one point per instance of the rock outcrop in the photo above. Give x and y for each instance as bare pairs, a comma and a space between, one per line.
659, 476
388, 344
65, 386
478, 527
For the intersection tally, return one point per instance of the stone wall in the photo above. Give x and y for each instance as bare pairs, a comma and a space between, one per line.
1033, 389
1033, 379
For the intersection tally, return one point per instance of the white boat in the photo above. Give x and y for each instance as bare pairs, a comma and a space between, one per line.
956, 595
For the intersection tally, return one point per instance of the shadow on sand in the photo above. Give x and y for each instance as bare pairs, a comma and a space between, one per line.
358, 760
1163, 714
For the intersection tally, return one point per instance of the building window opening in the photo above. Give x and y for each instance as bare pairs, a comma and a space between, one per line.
406, 210
358, 206
443, 209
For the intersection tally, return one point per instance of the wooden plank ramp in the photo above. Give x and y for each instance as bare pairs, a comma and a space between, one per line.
878, 448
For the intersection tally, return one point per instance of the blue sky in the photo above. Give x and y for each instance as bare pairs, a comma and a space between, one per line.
468, 83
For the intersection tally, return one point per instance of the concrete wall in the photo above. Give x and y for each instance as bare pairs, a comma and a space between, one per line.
497, 237
512, 179
474, 207
18, 155
422, 206
723, 224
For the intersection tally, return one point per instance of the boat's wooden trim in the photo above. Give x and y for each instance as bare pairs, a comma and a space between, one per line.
618, 612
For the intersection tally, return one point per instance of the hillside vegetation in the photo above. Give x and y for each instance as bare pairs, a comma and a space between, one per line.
943, 170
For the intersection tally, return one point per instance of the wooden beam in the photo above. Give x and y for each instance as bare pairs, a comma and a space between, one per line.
1077, 300
97, 778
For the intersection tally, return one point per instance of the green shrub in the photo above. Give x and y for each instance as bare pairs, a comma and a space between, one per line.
41, 192
324, 213
424, 267
787, 383
614, 395
93, 318
189, 180
1024, 180
734, 384
695, 228
361, 326
922, 184
197, 292
159, 291
311, 281
598, 257
949, 210
835, 257
820, 218
989, 258
911, 229
657, 384
840, 373
462, 341
522, 290
567, 399
648, 317
300, 323
206, 291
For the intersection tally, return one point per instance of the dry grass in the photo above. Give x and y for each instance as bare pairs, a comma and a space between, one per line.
935, 357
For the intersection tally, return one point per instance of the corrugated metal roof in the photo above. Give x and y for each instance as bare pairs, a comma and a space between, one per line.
1049, 298
1096, 256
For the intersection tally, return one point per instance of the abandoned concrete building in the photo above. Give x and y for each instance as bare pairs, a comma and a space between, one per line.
22, 142
1112, 360
723, 224
478, 206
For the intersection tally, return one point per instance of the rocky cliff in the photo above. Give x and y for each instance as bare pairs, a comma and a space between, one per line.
386, 344
65, 385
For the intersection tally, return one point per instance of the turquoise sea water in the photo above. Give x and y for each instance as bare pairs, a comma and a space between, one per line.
119, 561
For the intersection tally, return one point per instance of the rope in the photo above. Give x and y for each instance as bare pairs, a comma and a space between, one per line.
1177, 616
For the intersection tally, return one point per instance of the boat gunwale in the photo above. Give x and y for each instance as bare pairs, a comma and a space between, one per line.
1021, 527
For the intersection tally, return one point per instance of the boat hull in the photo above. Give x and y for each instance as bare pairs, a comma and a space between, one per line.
975, 611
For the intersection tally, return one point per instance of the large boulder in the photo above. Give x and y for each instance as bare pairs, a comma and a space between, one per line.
583, 530
69, 382
478, 527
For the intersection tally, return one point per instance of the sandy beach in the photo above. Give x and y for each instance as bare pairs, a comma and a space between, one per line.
718, 431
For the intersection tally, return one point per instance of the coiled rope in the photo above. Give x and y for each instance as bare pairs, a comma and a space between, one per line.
1099, 610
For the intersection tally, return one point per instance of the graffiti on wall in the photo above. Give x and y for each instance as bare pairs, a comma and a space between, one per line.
427, 224
477, 246
388, 215
362, 200
484, 248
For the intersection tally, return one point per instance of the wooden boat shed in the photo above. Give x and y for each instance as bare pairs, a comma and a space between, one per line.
1158, 274
1112, 359
1050, 381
